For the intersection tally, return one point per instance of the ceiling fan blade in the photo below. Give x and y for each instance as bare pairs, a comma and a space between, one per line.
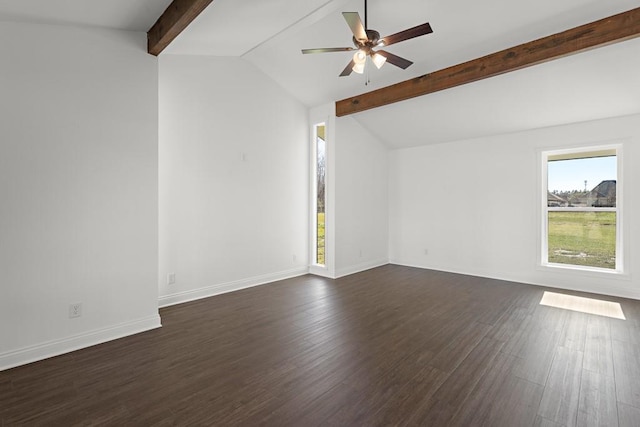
355, 23
348, 69
417, 31
395, 59
327, 49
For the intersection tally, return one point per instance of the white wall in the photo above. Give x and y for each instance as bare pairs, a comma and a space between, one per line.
78, 188
473, 205
234, 178
361, 199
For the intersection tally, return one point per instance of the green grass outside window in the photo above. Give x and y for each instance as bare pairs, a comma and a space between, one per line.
583, 238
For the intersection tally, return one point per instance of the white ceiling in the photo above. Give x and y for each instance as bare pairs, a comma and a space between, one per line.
600, 83
270, 34
133, 15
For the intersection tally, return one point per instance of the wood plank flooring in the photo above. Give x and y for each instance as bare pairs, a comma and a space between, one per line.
389, 346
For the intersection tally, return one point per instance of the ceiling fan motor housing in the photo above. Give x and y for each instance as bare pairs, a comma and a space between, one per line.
373, 37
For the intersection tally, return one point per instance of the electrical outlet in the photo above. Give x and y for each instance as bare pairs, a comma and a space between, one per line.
426, 251
75, 310
171, 279
294, 259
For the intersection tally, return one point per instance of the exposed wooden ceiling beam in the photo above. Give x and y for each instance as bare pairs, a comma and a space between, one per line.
172, 22
613, 29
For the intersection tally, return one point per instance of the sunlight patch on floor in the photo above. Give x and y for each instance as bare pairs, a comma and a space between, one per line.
583, 305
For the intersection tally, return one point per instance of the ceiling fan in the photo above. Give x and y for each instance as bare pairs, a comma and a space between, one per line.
367, 40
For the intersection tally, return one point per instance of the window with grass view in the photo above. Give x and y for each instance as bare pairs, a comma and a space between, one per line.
320, 152
582, 218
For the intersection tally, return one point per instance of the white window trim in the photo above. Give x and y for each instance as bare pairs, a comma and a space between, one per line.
325, 114
621, 269
313, 191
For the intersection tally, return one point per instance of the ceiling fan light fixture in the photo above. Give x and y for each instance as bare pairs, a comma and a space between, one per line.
360, 57
358, 67
378, 60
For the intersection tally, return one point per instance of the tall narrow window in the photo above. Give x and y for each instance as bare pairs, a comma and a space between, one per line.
581, 213
320, 197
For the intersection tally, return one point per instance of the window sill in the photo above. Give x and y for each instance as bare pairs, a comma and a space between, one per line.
585, 271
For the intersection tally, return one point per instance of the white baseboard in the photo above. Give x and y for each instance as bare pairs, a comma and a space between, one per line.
53, 348
346, 271
221, 288
321, 271
605, 289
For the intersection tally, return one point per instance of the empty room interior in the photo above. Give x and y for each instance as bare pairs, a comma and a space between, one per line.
321, 212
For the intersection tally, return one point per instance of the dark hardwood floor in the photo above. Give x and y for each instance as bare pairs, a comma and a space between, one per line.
389, 346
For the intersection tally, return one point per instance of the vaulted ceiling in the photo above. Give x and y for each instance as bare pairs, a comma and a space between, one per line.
132, 15
269, 35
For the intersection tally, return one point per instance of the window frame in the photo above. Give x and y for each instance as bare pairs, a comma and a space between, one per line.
314, 195
571, 153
